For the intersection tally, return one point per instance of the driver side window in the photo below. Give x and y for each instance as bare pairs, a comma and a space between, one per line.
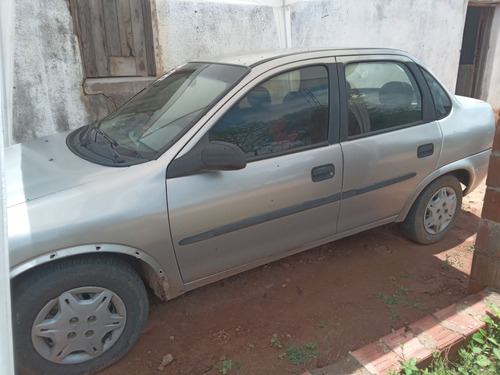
286, 112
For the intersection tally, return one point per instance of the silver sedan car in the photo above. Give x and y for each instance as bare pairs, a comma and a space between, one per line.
215, 168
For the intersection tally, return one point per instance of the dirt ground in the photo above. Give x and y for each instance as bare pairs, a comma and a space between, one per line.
307, 310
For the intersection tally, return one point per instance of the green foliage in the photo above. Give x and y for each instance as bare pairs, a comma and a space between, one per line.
299, 355
471, 247
480, 357
226, 366
296, 355
445, 264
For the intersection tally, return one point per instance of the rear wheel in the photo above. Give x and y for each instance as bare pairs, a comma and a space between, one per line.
76, 316
434, 212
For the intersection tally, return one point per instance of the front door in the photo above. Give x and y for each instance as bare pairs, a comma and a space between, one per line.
287, 196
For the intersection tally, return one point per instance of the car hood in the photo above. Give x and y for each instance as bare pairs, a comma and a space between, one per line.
45, 166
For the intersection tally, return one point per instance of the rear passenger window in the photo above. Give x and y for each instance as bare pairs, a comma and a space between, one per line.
287, 112
442, 102
381, 95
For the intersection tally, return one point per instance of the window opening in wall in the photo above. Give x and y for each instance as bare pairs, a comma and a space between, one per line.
116, 37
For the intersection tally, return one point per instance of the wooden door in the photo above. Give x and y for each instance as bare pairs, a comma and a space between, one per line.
116, 37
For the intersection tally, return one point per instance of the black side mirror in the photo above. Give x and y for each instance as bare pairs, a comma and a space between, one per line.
210, 156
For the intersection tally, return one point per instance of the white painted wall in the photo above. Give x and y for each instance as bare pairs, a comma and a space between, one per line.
429, 29
189, 30
491, 79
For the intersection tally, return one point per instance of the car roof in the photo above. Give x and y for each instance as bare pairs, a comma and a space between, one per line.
256, 58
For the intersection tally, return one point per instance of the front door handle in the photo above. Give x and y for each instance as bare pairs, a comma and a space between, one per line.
322, 172
425, 150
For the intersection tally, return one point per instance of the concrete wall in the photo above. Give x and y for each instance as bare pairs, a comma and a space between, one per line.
51, 94
47, 91
190, 30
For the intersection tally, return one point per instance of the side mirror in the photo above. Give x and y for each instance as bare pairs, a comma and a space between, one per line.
211, 156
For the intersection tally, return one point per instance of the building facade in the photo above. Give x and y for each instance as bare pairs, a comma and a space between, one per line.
77, 60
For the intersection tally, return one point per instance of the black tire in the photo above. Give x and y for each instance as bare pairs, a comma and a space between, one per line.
90, 304
434, 212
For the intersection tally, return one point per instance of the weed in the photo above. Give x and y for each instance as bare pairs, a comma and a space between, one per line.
393, 314
296, 355
448, 262
398, 297
299, 355
445, 264
226, 366
480, 356
471, 247
275, 341
322, 324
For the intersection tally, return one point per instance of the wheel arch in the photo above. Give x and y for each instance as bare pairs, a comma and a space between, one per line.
146, 266
463, 175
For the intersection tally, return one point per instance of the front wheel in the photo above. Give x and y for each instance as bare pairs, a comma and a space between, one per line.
434, 212
76, 316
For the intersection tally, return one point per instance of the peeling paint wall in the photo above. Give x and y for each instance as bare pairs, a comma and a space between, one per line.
47, 74
49, 85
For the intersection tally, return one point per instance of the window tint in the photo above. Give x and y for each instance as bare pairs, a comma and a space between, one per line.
442, 102
286, 112
381, 95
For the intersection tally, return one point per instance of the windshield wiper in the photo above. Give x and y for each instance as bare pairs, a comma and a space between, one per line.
85, 140
94, 126
91, 146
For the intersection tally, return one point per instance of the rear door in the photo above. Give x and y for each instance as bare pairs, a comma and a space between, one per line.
390, 139
287, 196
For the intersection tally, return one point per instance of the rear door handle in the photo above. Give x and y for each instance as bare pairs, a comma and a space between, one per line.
322, 172
425, 150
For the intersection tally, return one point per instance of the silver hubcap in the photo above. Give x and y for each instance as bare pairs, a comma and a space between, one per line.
78, 325
440, 210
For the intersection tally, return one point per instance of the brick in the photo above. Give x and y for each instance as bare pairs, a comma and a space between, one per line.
483, 233
475, 306
496, 140
490, 296
376, 359
451, 318
491, 206
433, 335
493, 179
484, 269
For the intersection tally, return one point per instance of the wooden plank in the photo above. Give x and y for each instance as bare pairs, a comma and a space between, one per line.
125, 28
121, 66
148, 38
465, 79
84, 32
137, 19
110, 17
99, 37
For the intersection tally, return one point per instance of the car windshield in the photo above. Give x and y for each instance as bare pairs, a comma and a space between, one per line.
152, 120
